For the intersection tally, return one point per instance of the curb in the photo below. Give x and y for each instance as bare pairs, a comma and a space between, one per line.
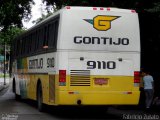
3, 89
2, 86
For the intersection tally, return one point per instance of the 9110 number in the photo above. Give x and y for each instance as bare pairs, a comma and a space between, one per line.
101, 64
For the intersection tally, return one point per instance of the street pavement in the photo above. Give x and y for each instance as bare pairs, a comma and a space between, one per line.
2, 86
11, 109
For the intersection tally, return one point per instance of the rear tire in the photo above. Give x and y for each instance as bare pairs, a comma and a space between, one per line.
13, 86
40, 98
17, 97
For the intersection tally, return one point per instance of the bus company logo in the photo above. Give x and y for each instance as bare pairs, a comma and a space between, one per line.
102, 22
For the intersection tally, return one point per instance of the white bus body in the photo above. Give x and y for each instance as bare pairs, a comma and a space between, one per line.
97, 51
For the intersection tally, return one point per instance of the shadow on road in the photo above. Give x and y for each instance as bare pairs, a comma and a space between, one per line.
81, 112
77, 112
88, 112
94, 113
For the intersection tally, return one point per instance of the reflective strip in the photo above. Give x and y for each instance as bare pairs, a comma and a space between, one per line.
136, 84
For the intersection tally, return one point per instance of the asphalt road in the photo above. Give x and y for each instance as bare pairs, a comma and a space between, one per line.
10, 109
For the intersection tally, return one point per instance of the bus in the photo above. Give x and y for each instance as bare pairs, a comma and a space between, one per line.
88, 56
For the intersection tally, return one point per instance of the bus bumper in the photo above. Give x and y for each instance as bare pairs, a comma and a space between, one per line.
98, 98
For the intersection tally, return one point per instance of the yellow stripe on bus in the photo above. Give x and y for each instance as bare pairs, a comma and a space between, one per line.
119, 90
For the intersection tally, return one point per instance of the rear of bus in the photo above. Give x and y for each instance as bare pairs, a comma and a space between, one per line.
98, 57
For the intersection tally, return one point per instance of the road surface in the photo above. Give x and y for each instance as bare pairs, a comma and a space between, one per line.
10, 109
2, 86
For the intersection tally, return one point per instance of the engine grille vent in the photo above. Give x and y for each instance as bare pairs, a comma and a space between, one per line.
80, 78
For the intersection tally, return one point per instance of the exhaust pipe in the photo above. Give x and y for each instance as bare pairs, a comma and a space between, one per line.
79, 102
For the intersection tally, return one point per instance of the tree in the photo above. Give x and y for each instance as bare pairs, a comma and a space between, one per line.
42, 18
13, 11
156, 8
131, 4
8, 35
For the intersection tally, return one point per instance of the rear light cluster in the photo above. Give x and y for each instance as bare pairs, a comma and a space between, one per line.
101, 8
108, 9
136, 78
68, 7
133, 11
62, 77
94, 8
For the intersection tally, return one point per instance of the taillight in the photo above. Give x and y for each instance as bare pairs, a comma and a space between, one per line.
62, 77
101, 8
108, 9
68, 7
136, 77
133, 11
94, 8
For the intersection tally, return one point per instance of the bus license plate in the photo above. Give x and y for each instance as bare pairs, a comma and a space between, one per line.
101, 81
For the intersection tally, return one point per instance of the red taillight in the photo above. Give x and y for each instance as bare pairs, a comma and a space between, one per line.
133, 11
136, 77
129, 92
94, 8
101, 8
68, 7
62, 77
108, 9
70, 92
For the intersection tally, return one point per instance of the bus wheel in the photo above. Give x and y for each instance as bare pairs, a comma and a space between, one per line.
17, 97
40, 98
13, 86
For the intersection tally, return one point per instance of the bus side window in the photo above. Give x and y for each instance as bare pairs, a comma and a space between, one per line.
53, 32
41, 39
30, 43
27, 44
56, 34
33, 42
36, 40
51, 35
45, 39
48, 34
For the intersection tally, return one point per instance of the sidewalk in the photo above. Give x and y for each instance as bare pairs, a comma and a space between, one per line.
2, 86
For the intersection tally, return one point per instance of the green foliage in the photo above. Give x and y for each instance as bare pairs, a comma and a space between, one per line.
139, 5
42, 18
156, 8
9, 34
12, 12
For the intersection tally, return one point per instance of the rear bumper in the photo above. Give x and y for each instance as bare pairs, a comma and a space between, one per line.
98, 98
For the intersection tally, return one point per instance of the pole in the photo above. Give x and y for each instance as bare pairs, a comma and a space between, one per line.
4, 64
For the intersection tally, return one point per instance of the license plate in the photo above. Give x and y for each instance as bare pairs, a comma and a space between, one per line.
100, 81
